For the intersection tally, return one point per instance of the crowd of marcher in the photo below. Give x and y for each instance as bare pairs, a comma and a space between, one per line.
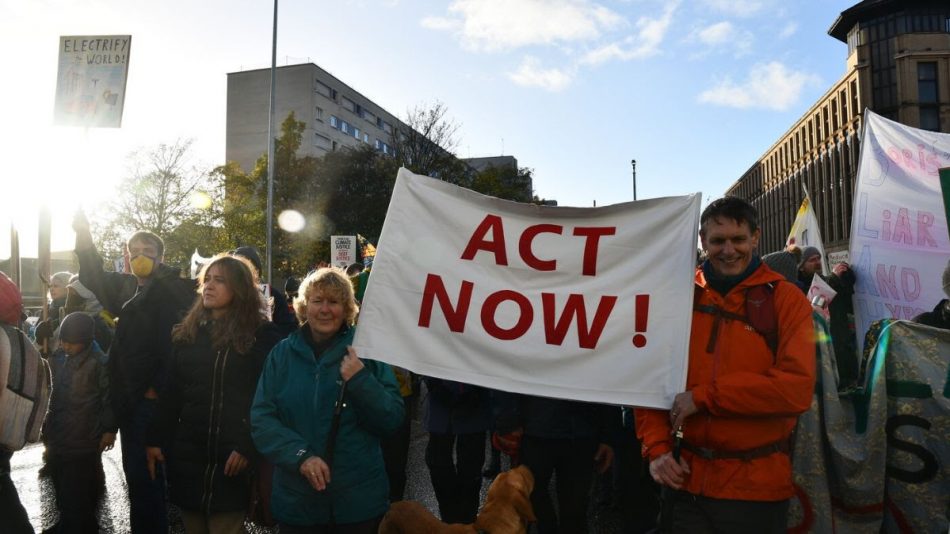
236, 402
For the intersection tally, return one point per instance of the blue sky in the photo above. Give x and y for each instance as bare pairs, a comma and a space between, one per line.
694, 90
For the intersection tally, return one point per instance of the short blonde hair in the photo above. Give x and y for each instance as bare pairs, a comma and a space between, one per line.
331, 281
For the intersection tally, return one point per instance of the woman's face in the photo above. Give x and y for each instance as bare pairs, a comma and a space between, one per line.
57, 290
216, 294
324, 314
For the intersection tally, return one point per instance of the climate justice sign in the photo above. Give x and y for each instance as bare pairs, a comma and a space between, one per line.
589, 304
899, 241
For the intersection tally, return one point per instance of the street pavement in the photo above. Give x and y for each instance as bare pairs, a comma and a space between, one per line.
36, 492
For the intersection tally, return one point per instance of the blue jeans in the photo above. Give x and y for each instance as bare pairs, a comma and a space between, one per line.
147, 512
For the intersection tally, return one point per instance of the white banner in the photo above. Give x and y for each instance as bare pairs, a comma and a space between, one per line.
899, 243
342, 250
90, 86
590, 304
806, 232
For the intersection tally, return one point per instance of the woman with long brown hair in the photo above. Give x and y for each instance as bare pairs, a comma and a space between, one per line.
204, 408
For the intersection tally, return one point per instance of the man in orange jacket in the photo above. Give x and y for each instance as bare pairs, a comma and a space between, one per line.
744, 389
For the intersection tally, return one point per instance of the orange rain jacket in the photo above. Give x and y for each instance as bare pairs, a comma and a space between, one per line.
746, 399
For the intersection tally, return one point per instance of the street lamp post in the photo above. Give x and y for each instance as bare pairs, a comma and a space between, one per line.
633, 163
271, 166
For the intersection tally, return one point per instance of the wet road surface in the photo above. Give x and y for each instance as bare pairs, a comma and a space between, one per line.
36, 492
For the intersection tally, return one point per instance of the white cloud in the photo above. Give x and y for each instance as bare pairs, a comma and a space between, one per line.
649, 36
768, 86
738, 8
723, 35
532, 74
718, 33
790, 28
491, 25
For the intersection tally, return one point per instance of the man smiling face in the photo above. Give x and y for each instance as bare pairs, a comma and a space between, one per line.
728, 244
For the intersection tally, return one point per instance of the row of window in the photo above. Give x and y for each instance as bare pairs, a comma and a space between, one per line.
350, 130
351, 106
835, 113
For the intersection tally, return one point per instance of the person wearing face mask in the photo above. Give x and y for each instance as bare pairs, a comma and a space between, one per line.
146, 303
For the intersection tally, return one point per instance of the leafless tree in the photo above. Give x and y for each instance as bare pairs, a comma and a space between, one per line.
428, 146
157, 194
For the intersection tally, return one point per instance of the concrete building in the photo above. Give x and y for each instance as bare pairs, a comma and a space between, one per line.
897, 65
335, 114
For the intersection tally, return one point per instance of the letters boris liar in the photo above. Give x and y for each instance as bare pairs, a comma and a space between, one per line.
899, 241
582, 303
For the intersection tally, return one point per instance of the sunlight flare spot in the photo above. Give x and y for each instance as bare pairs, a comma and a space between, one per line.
291, 221
200, 200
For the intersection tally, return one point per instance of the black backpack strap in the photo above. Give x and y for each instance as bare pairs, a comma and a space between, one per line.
718, 315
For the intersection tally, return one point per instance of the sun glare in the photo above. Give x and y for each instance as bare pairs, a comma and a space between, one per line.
65, 175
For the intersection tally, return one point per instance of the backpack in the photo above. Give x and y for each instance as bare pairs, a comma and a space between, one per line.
759, 314
25, 381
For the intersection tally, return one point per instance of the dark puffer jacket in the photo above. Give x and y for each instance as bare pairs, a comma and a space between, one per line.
142, 343
79, 411
204, 415
456, 408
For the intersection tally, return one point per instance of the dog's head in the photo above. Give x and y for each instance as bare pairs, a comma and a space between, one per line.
508, 508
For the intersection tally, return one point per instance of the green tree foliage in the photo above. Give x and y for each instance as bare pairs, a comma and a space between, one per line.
505, 182
245, 204
353, 190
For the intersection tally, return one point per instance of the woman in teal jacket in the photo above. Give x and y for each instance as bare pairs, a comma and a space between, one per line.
293, 411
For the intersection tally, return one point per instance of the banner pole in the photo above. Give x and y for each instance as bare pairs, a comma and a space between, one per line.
945, 187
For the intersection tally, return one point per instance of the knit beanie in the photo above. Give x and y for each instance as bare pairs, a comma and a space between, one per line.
77, 327
61, 277
946, 279
251, 255
808, 253
783, 263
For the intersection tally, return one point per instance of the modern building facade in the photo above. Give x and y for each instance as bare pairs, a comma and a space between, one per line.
898, 65
335, 114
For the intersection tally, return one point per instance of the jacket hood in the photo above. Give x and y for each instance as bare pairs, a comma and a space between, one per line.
167, 271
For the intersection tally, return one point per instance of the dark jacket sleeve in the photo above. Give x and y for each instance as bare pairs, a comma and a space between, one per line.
282, 317
506, 411
268, 335
109, 424
171, 301
162, 429
112, 289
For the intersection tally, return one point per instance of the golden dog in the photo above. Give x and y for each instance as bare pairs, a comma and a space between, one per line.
507, 510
